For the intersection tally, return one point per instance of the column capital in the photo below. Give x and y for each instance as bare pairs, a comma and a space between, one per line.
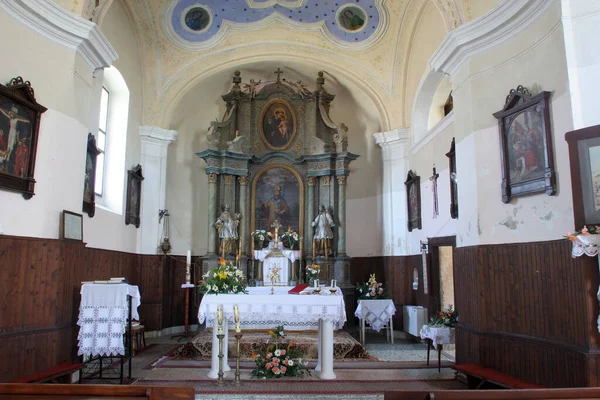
393, 143
341, 179
243, 180
154, 133
228, 179
311, 181
325, 180
212, 177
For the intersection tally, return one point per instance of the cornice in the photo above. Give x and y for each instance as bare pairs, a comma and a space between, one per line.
393, 143
502, 23
67, 29
153, 133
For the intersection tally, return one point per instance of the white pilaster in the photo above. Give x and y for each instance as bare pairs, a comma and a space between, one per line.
394, 145
581, 27
155, 142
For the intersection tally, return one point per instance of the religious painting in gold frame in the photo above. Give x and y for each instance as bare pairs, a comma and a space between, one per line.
277, 193
277, 124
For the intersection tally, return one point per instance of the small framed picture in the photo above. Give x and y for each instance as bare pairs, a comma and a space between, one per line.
134, 195
413, 200
71, 226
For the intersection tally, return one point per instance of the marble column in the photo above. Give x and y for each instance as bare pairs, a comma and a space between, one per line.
212, 211
395, 147
341, 210
228, 195
310, 216
242, 231
155, 142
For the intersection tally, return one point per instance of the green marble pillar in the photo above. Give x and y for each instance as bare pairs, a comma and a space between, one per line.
310, 216
341, 209
212, 211
242, 231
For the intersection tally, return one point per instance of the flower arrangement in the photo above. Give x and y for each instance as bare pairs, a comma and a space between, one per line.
289, 238
593, 230
312, 271
278, 360
226, 278
259, 236
448, 318
371, 290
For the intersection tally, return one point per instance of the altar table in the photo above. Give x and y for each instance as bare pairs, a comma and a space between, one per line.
438, 336
260, 310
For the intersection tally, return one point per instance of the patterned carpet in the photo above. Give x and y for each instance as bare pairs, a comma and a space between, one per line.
344, 345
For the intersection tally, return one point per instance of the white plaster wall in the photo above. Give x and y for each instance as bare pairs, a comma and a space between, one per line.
363, 227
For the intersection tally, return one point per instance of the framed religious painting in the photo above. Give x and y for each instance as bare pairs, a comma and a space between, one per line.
526, 153
584, 158
89, 182
413, 200
277, 194
277, 124
134, 195
453, 180
20, 117
71, 226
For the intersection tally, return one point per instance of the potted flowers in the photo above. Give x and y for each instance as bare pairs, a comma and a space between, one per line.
278, 360
312, 273
226, 278
371, 290
259, 237
447, 318
289, 238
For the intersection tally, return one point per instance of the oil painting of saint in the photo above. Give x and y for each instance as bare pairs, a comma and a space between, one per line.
15, 140
351, 18
526, 147
197, 19
278, 125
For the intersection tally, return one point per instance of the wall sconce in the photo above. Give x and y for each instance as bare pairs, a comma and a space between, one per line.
424, 247
165, 245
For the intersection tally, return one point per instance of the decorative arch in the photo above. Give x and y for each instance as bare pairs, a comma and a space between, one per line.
422, 105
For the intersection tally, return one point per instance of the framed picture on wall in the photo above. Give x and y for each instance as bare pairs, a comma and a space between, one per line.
134, 195
89, 183
584, 158
277, 124
71, 226
413, 200
19, 128
526, 144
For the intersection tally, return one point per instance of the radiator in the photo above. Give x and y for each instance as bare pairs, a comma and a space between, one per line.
414, 319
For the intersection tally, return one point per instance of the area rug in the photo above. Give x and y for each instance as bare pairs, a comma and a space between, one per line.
344, 346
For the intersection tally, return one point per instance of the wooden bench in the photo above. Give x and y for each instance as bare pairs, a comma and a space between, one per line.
19, 391
479, 377
62, 372
504, 394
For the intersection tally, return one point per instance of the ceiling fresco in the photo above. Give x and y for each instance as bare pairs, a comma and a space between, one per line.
350, 21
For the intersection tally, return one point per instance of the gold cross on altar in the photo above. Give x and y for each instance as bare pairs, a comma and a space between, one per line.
276, 225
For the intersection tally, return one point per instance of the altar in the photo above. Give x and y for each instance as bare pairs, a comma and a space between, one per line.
259, 310
282, 258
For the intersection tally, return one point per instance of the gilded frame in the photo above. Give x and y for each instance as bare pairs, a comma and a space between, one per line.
261, 123
301, 194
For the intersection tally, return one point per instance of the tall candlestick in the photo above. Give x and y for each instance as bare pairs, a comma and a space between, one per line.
189, 257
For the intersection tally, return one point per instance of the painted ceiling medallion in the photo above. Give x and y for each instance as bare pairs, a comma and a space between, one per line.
200, 24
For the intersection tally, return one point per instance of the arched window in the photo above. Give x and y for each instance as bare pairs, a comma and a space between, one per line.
111, 140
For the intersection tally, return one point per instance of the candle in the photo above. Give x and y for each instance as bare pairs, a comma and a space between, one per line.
236, 313
332, 283
189, 257
220, 320
237, 327
316, 281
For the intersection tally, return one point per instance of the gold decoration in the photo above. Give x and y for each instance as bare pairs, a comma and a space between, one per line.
341, 179
228, 179
243, 180
325, 180
212, 177
311, 181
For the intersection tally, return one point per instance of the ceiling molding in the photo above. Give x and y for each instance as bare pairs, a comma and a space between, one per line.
67, 29
502, 23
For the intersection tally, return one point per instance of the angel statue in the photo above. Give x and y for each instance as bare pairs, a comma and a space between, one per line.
250, 88
227, 227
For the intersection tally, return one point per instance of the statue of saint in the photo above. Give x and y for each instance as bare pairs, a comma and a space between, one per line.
227, 225
323, 234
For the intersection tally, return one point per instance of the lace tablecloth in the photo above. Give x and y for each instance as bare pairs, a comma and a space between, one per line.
260, 310
291, 255
439, 335
103, 317
376, 313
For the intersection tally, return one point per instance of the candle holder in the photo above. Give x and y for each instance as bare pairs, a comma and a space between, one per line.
238, 337
220, 380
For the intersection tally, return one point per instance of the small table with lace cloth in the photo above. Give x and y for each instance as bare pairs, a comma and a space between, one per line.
378, 314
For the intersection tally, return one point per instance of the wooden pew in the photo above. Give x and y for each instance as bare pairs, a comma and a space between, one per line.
479, 377
60, 374
20, 391
504, 394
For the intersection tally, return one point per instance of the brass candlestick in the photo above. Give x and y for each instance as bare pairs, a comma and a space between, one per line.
220, 380
238, 337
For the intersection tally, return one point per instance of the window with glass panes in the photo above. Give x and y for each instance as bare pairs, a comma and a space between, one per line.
101, 142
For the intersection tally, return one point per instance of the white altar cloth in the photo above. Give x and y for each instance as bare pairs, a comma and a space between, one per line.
284, 270
438, 335
103, 317
260, 310
291, 255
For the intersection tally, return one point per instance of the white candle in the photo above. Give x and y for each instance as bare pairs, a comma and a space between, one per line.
316, 281
332, 285
237, 327
236, 313
189, 257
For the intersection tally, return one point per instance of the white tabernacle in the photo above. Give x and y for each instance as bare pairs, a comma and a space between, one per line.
259, 310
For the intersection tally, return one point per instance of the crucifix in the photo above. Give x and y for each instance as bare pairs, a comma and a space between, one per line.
434, 179
276, 225
278, 72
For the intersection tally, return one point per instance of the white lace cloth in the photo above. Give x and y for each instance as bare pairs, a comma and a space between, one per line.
284, 269
437, 335
103, 317
291, 255
259, 310
586, 244
376, 313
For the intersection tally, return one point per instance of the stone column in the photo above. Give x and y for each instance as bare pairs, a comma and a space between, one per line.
394, 145
228, 195
243, 180
155, 142
341, 210
212, 211
310, 216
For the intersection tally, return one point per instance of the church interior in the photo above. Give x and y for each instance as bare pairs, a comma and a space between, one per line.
445, 147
